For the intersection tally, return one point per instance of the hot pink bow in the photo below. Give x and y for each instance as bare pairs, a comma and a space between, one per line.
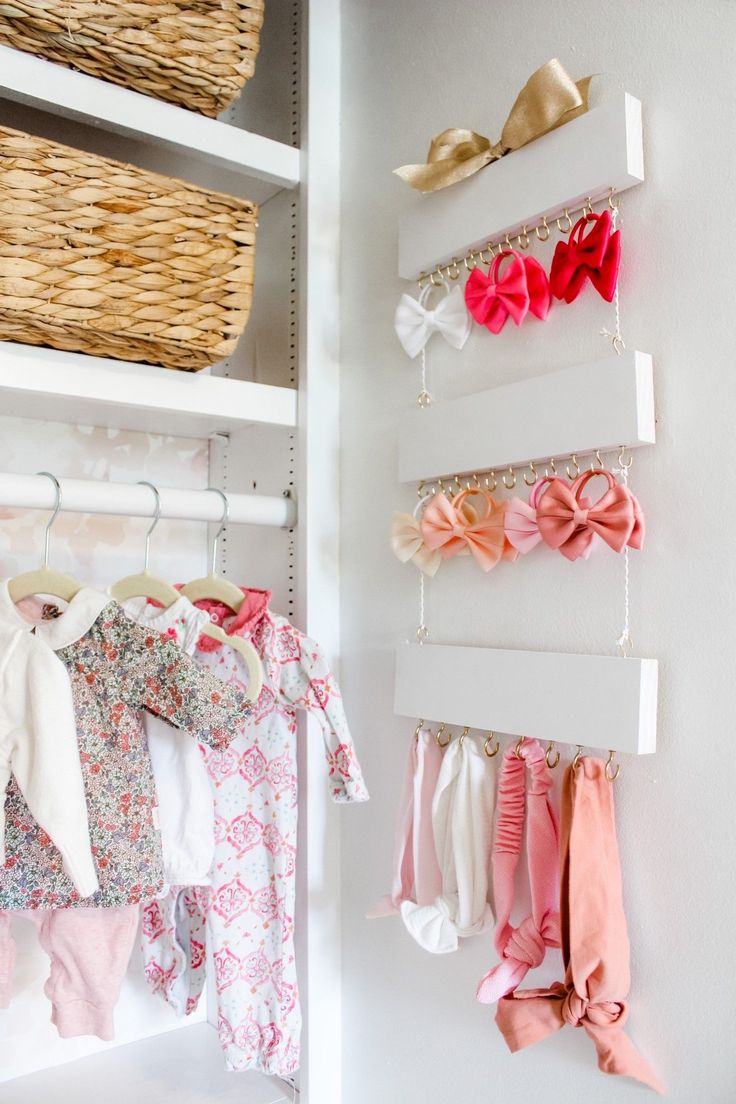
454, 527
491, 298
569, 525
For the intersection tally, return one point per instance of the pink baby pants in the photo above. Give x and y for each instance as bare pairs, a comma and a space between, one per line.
89, 950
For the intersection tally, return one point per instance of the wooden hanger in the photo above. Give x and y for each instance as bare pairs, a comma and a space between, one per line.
146, 585
44, 580
214, 588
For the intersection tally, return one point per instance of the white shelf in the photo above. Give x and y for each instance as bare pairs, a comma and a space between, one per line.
598, 405
44, 84
84, 390
586, 157
184, 1066
597, 701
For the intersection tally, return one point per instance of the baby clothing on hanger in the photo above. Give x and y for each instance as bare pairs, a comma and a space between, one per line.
250, 924
117, 669
185, 801
89, 949
38, 748
462, 815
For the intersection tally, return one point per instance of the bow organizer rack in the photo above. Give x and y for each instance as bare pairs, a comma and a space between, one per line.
586, 160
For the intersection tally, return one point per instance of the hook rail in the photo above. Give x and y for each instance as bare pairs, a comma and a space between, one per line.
88, 496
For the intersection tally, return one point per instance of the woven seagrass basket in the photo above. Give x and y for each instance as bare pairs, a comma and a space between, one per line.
108, 259
196, 53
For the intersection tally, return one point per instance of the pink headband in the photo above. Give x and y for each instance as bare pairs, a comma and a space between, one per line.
523, 948
595, 941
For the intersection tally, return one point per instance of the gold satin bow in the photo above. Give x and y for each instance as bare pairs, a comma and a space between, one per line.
549, 99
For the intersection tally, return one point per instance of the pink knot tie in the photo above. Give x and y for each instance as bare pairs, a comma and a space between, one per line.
458, 529
526, 944
577, 1009
580, 517
490, 291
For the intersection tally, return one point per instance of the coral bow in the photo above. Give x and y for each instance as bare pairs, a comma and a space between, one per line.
407, 544
595, 256
454, 527
523, 287
414, 324
567, 524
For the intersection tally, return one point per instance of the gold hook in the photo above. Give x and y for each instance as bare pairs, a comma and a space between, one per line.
417, 730
552, 465
453, 271
550, 748
457, 483
440, 733
522, 238
420, 490
609, 764
535, 473
576, 759
621, 462
492, 476
476, 482
507, 243
611, 194
589, 205
542, 226
487, 741
519, 745
577, 468
463, 734
599, 460
510, 486
566, 215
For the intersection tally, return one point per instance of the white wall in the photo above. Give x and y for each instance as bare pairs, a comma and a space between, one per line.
412, 1027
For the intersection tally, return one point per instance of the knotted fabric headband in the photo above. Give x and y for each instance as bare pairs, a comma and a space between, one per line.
595, 942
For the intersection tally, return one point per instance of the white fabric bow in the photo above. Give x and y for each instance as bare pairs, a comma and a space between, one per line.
407, 544
462, 817
414, 324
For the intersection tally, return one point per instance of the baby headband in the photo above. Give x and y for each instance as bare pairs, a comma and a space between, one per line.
595, 942
523, 948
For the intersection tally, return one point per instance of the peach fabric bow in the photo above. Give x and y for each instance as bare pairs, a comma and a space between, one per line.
455, 527
408, 544
568, 525
595, 940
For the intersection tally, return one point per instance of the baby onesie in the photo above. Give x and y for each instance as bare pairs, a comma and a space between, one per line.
38, 747
185, 802
117, 669
249, 910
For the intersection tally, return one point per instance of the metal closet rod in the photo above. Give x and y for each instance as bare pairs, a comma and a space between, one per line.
89, 496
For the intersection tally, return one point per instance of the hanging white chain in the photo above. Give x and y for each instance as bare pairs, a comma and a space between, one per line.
624, 642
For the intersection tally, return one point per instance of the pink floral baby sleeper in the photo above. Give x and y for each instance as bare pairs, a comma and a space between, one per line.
117, 669
251, 904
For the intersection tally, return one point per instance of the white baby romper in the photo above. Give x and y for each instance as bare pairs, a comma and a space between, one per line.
250, 922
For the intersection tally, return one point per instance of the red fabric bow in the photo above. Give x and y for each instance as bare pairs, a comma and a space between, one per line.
454, 527
595, 256
491, 298
568, 523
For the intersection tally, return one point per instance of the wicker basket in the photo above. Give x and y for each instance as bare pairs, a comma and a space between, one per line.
108, 259
196, 53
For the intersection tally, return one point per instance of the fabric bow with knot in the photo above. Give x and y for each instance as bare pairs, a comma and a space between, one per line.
494, 297
595, 256
455, 527
567, 524
408, 544
522, 529
414, 323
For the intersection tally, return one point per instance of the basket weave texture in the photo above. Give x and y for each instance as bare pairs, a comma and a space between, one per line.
195, 53
108, 259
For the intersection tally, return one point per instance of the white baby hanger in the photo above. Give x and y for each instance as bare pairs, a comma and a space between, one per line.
44, 580
216, 589
144, 584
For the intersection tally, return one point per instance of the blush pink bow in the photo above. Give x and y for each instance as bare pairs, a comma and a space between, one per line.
568, 525
407, 544
454, 527
493, 297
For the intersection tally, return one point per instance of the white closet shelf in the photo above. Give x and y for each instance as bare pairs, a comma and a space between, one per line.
183, 1066
84, 390
50, 87
599, 405
584, 158
602, 702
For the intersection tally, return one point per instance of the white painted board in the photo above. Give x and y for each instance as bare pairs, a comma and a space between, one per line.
71, 387
586, 157
51, 87
597, 701
603, 404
